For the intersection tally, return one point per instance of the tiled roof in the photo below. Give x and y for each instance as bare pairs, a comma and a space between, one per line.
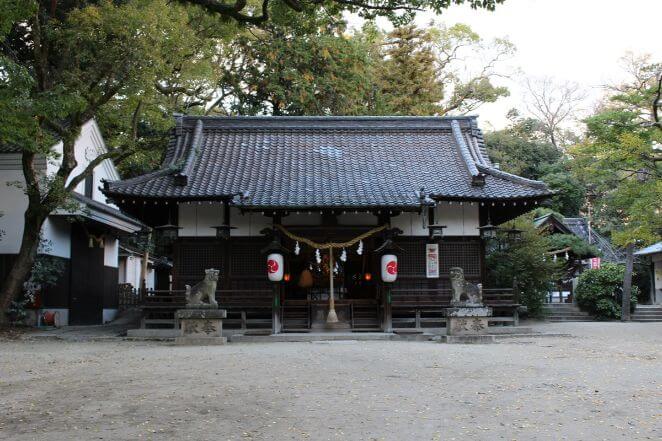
300, 162
652, 249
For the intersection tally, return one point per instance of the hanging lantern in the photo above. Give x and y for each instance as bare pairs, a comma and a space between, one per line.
389, 268
169, 232
275, 267
514, 234
488, 231
297, 248
436, 232
223, 231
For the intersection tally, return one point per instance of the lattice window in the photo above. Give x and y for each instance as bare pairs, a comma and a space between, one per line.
193, 258
247, 259
412, 261
465, 255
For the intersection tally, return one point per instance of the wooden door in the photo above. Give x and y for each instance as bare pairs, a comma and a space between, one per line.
87, 279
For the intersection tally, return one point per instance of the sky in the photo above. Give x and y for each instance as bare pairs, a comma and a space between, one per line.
579, 41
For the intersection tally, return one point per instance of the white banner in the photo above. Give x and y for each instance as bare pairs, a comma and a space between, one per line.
432, 260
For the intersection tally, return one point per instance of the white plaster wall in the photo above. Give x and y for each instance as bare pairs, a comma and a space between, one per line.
121, 270
248, 224
88, 146
110, 251
197, 220
108, 315
12, 206
460, 220
63, 315
129, 272
57, 233
13, 201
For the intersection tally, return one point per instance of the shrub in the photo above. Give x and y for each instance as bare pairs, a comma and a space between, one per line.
599, 291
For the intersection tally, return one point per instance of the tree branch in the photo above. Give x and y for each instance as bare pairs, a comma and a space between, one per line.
115, 155
233, 11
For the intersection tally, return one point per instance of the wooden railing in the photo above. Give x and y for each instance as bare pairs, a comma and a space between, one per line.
423, 307
128, 297
246, 307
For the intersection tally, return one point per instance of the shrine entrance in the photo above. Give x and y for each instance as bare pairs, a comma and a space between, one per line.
307, 287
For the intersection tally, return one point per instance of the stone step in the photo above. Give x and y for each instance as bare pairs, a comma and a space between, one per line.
570, 314
637, 319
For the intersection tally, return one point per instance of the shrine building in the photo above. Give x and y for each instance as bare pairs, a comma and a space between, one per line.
363, 215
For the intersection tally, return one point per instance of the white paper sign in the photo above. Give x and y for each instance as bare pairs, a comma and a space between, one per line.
432, 260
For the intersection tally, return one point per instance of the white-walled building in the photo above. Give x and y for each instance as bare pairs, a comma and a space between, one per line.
87, 240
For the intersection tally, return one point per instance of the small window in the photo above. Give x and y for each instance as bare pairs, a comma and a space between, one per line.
89, 186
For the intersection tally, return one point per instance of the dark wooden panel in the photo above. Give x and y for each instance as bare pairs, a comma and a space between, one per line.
87, 281
57, 296
110, 287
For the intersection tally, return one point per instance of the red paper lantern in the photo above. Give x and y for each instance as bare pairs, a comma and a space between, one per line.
389, 268
275, 267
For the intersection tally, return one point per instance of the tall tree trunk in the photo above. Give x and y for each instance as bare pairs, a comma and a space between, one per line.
627, 282
13, 284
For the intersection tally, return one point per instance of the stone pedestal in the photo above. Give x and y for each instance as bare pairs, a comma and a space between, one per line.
201, 326
467, 319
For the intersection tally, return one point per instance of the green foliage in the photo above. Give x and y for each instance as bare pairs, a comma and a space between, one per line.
570, 192
617, 160
46, 271
599, 291
407, 77
524, 262
521, 148
578, 246
295, 67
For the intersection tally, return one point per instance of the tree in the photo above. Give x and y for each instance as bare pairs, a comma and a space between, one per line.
294, 67
522, 148
424, 71
408, 79
619, 158
61, 64
554, 105
523, 261
397, 11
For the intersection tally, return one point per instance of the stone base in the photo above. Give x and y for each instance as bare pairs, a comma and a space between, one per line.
467, 320
200, 341
201, 326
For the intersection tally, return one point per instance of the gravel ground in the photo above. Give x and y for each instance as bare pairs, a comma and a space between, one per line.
603, 383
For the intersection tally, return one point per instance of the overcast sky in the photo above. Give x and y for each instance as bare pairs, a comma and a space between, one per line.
570, 40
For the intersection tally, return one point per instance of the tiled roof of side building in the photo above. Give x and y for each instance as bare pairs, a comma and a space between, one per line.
299, 162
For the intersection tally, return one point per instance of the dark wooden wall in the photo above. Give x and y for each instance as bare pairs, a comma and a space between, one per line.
463, 252
246, 269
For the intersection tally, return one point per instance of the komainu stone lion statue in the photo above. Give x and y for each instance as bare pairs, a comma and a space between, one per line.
464, 293
205, 290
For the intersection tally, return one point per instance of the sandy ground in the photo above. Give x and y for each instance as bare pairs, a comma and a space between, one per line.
604, 383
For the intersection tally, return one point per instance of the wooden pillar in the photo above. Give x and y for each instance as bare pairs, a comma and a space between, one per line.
388, 318
275, 311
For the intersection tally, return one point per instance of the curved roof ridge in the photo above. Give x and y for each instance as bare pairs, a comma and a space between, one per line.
510, 177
